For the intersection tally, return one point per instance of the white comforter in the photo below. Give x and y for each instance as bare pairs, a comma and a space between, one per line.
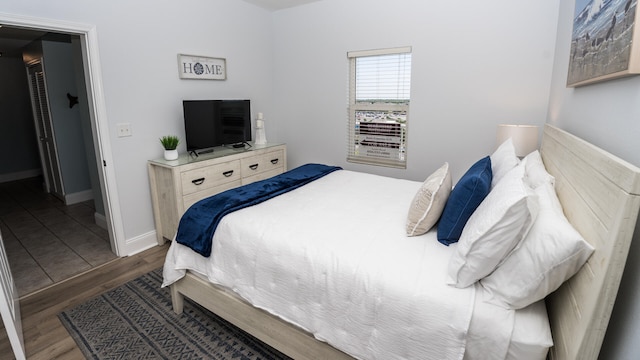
342, 268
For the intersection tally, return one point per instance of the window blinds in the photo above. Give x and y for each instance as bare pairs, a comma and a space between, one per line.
379, 96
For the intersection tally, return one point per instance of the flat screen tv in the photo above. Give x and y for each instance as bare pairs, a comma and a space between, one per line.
211, 123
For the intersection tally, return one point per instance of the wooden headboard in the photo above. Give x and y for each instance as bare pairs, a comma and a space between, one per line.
600, 195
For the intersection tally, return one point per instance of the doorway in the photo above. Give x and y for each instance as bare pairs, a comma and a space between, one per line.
96, 108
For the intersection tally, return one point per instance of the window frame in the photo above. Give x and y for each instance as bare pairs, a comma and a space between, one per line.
353, 135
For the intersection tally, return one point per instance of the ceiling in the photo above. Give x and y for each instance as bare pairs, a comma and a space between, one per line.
13, 39
274, 5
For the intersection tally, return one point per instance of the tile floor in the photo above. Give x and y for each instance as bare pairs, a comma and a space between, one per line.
46, 241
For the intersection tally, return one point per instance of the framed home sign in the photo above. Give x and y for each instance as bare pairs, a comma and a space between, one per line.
602, 42
202, 67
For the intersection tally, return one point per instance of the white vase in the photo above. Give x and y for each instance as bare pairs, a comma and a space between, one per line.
170, 154
261, 138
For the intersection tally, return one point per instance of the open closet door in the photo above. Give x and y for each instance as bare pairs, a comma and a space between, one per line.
44, 129
9, 305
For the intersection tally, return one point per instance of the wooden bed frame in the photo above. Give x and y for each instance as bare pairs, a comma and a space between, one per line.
600, 194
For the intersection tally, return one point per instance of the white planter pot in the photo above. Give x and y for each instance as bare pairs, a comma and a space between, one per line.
170, 154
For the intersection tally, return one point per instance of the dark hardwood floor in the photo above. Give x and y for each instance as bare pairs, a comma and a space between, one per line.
44, 335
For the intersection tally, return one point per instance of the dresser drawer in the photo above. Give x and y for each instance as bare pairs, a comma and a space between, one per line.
177, 185
262, 163
191, 199
261, 176
208, 177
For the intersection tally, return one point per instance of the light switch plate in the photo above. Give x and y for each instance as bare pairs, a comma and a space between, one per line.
124, 129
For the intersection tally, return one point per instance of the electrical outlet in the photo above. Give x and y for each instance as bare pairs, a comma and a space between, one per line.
124, 129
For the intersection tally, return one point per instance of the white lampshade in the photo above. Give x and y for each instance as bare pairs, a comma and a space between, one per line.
524, 137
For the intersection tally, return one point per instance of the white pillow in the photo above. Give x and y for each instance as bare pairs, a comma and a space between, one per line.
429, 201
494, 229
502, 161
536, 173
551, 253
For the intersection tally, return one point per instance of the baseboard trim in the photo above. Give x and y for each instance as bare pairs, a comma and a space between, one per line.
20, 175
78, 197
100, 220
139, 243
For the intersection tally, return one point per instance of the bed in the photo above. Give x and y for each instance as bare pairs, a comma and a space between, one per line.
600, 197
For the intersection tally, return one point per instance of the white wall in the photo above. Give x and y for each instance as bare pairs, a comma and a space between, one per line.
608, 115
605, 113
474, 65
67, 125
138, 44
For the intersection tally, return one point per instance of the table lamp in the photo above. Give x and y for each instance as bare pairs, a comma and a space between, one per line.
524, 137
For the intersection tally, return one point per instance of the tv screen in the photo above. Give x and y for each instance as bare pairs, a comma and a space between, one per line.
211, 123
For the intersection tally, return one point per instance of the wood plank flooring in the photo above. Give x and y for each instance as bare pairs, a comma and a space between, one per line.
44, 335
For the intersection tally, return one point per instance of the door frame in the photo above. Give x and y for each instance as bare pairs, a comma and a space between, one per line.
10, 306
97, 110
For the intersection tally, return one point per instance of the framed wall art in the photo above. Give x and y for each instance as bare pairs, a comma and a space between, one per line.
202, 67
602, 41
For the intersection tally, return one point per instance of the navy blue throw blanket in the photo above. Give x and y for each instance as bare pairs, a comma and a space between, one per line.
199, 222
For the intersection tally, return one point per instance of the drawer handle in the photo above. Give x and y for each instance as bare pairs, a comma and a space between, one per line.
253, 167
198, 181
274, 161
228, 173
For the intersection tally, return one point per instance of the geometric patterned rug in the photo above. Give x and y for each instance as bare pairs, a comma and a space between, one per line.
136, 321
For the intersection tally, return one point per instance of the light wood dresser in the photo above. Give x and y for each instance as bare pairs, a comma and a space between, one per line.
178, 184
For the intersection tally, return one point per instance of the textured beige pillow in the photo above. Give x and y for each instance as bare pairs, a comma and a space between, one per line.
429, 201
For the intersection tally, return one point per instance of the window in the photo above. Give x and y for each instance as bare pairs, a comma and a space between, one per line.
379, 86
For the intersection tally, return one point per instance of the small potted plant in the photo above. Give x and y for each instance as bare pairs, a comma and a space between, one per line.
170, 143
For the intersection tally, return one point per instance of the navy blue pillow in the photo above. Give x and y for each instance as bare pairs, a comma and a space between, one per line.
465, 197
